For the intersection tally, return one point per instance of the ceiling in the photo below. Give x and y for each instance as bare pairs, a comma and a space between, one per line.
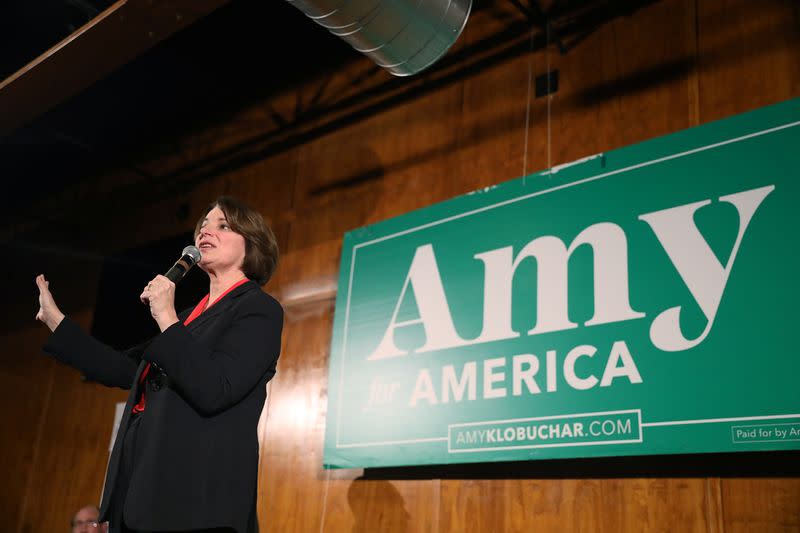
246, 49
29, 27
242, 52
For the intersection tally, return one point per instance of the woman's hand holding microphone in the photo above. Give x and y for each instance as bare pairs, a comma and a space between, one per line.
159, 294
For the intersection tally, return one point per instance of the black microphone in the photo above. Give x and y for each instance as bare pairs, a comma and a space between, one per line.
190, 256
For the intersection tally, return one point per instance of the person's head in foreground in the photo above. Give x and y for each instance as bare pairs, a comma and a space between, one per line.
86, 519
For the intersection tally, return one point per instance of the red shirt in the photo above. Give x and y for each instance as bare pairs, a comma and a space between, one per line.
196, 312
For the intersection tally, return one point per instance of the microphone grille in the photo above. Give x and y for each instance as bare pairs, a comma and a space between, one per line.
193, 253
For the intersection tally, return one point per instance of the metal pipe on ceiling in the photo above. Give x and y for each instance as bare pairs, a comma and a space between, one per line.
402, 36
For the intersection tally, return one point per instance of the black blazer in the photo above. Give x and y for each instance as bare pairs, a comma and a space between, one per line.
196, 462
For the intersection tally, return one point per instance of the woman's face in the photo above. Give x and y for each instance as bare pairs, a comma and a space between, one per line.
221, 248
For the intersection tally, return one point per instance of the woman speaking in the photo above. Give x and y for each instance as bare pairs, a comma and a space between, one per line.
186, 453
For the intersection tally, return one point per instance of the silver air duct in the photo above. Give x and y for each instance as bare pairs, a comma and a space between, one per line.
402, 36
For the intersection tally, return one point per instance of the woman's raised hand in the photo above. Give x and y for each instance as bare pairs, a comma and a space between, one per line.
49, 313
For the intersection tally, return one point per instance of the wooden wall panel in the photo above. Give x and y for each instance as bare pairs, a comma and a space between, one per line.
27, 377
654, 505
365, 505
602, 505
267, 185
291, 478
749, 55
401, 159
25, 381
629, 80
491, 143
472, 505
72, 448
763, 505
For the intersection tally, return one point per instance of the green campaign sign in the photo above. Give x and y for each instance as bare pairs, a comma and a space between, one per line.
641, 301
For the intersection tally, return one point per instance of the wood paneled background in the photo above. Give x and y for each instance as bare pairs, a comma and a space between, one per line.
371, 148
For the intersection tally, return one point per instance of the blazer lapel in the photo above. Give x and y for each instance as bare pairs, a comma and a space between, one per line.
221, 305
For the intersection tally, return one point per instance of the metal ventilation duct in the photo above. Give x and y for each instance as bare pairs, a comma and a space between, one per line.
402, 36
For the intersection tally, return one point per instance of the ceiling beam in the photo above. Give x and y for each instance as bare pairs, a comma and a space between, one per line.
125, 30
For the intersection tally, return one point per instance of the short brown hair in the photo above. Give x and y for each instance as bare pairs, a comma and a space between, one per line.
261, 247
